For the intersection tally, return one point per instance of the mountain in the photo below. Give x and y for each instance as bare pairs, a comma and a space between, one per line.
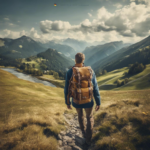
96, 53
118, 56
140, 56
22, 47
64, 49
54, 60
79, 46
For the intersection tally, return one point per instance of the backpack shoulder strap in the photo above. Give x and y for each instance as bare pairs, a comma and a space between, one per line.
91, 72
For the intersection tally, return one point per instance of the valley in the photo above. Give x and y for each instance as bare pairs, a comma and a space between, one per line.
35, 116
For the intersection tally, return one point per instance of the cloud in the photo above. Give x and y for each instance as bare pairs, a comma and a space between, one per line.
118, 5
10, 34
128, 22
90, 15
103, 14
47, 25
11, 24
33, 34
7, 19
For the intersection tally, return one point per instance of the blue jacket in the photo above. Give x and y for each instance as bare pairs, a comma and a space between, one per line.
96, 93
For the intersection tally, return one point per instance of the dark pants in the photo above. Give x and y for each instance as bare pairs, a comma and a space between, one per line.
90, 122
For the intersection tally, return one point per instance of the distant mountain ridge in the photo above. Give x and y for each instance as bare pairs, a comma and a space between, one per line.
117, 56
96, 53
64, 49
79, 46
22, 47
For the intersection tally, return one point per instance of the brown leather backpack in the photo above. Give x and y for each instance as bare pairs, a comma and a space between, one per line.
80, 85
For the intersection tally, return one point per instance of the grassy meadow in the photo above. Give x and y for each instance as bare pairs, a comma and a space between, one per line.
123, 122
56, 82
31, 114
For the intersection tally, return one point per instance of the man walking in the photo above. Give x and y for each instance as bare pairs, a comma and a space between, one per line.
82, 86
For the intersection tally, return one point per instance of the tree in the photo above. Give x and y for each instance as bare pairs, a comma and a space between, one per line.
104, 71
56, 75
28, 59
33, 65
28, 65
43, 66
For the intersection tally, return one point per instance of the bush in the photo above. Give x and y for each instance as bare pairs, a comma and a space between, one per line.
56, 75
136, 68
118, 83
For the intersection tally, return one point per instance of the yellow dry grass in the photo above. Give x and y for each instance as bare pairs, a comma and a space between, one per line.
123, 121
31, 114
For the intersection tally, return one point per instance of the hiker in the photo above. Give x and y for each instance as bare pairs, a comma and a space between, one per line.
81, 85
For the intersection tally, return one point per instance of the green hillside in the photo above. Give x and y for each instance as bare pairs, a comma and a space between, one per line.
64, 49
96, 53
119, 55
55, 61
140, 56
108, 81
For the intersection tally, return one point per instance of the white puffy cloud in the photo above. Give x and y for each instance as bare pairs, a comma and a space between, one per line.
58, 25
10, 34
103, 14
34, 34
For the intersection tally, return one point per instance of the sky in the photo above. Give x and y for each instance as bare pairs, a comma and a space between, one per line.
86, 20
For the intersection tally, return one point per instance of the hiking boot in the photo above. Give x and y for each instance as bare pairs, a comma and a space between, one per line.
83, 134
88, 142
86, 145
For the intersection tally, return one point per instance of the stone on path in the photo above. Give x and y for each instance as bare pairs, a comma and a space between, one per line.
67, 148
80, 140
62, 132
71, 139
67, 138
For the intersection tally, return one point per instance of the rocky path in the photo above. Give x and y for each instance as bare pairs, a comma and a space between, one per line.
71, 139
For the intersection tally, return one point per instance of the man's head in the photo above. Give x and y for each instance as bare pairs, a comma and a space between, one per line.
79, 58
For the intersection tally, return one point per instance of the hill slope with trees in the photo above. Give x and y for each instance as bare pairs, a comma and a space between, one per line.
121, 54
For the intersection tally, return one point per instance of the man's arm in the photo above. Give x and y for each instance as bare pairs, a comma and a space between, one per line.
96, 93
66, 88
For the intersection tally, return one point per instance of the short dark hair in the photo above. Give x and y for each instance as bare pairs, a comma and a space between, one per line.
79, 57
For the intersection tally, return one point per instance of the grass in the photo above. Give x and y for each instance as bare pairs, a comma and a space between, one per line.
56, 82
31, 114
123, 121
111, 78
143, 83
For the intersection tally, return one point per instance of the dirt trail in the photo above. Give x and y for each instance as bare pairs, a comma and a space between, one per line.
71, 139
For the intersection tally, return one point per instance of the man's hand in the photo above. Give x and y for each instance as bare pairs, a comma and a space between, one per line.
69, 106
97, 107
